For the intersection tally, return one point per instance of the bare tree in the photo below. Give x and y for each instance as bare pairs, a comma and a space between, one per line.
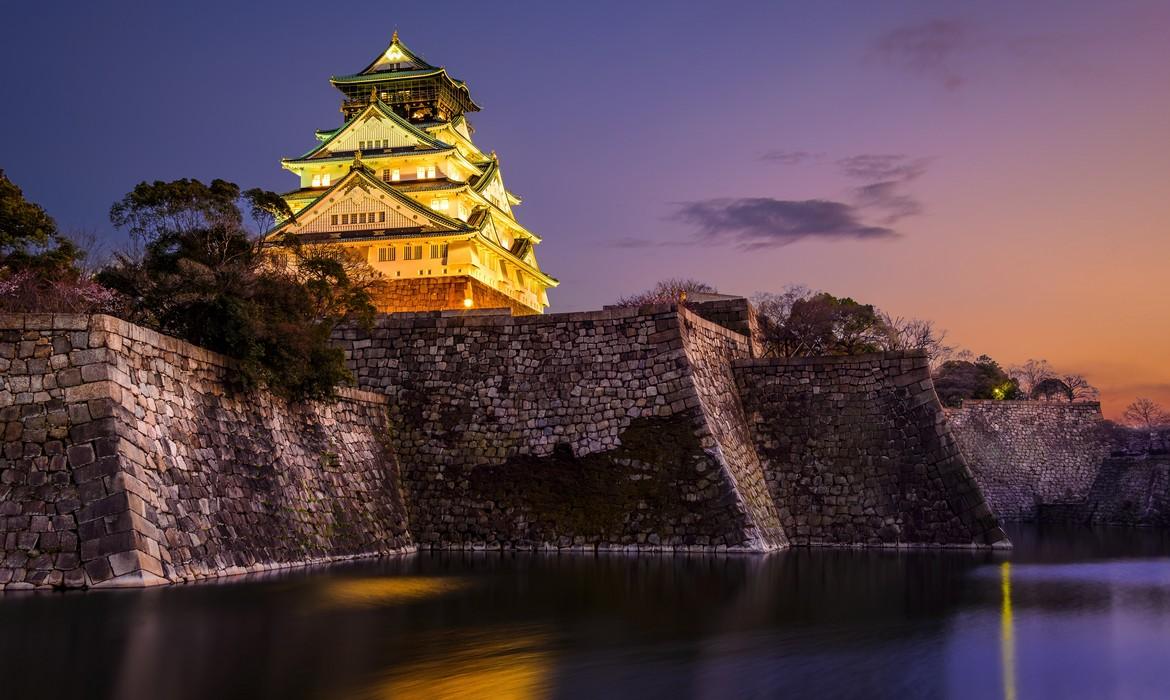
915, 334
1145, 413
669, 291
1031, 374
1079, 388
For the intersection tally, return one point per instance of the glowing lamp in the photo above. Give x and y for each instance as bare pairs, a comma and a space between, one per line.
467, 302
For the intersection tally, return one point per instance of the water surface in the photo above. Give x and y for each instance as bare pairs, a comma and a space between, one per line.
1076, 613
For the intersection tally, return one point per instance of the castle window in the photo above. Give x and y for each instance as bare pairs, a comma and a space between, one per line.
333, 220
431, 171
394, 175
434, 250
407, 253
345, 219
386, 254
381, 217
443, 252
325, 180
418, 252
316, 181
440, 204
421, 172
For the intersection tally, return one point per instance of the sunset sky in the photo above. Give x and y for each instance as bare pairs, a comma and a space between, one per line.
1000, 167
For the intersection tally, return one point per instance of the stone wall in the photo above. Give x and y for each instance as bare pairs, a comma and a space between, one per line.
710, 350
1128, 490
856, 451
128, 461
1024, 453
439, 293
573, 430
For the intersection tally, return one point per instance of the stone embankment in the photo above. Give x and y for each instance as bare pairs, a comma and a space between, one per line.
1025, 453
857, 451
1057, 462
130, 459
627, 428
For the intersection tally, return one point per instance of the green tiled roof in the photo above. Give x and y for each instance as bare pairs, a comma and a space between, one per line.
385, 109
364, 172
386, 75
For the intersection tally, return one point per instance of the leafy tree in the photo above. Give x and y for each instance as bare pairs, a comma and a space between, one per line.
38, 264
800, 322
201, 276
1051, 389
668, 291
1146, 414
983, 378
29, 239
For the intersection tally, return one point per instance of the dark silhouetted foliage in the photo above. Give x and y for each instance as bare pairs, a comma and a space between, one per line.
202, 277
38, 265
983, 378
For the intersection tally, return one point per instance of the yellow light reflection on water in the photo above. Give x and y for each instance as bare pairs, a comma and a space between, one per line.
1007, 634
351, 592
511, 667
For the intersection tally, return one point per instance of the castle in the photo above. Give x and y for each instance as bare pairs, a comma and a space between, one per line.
480, 423
402, 185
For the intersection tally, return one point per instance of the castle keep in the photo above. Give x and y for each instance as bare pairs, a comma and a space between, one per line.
402, 185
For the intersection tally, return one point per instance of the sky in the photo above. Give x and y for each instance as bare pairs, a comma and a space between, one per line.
1001, 168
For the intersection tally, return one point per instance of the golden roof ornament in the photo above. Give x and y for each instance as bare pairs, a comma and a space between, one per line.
394, 37
357, 160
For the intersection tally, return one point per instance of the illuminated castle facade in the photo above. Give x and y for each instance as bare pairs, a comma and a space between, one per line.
401, 184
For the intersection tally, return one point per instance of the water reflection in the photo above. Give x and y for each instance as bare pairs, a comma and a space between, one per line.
350, 592
505, 663
1007, 635
1082, 614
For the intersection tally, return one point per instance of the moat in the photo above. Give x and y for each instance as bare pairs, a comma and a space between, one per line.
1067, 613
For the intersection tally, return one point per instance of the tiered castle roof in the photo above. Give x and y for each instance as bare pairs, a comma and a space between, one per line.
403, 165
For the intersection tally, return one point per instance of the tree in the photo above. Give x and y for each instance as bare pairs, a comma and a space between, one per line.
915, 334
1031, 374
1051, 389
1079, 388
38, 264
801, 322
1146, 414
201, 276
983, 378
668, 291
29, 239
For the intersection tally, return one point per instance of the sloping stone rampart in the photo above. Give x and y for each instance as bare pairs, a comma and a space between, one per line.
129, 461
857, 452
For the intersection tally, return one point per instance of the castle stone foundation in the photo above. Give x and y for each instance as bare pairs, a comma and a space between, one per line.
129, 459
